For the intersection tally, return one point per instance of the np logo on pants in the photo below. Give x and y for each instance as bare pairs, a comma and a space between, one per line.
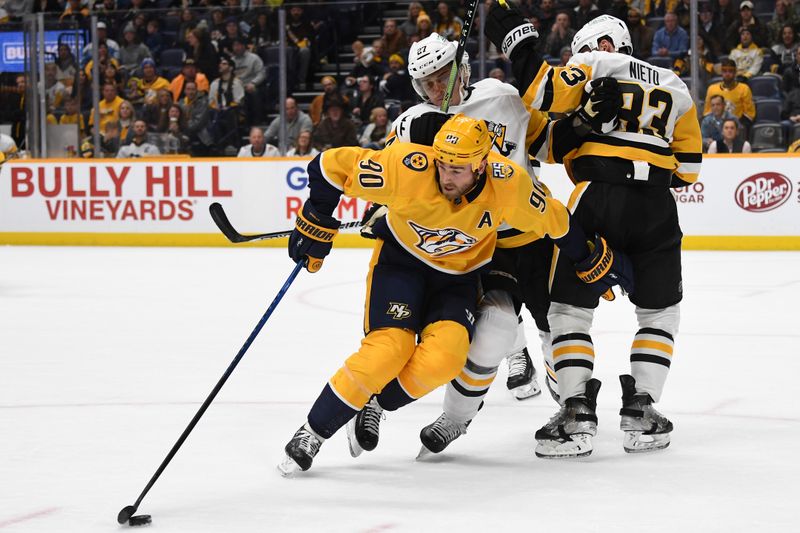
399, 311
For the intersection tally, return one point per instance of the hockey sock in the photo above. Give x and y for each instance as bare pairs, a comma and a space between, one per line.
393, 396
329, 413
573, 357
651, 357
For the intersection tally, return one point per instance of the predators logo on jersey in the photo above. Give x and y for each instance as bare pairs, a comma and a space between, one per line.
416, 161
398, 310
441, 242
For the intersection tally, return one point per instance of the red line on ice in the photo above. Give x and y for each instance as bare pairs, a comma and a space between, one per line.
29, 516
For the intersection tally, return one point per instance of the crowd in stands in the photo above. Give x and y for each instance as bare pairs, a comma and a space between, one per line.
201, 77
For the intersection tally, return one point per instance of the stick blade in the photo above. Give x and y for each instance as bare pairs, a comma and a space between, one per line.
221, 220
126, 513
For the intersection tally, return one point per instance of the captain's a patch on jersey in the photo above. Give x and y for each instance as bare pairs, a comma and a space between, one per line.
442, 241
501, 171
416, 161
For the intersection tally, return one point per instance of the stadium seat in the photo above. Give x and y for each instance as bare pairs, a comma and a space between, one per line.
471, 48
172, 57
765, 136
768, 110
393, 108
659, 61
270, 55
655, 22
772, 151
765, 87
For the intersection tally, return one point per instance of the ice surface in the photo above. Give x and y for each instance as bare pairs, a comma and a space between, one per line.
106, 354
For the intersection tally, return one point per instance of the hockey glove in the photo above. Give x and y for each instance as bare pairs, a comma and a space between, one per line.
312, 237
507, 28
425, 127
371, 216
604, 268
601, 105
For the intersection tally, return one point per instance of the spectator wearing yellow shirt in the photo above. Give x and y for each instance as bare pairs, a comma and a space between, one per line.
150, 82
738, 98
447, 23
70, 116
747, 55
103, 57
794, 147
109, 106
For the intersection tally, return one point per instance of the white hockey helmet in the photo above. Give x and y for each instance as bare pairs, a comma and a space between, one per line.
603, 26
430, 55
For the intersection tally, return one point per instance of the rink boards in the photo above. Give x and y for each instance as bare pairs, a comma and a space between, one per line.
740, 202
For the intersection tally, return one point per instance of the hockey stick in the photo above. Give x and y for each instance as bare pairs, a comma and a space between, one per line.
225, 226
126, 514
462, 44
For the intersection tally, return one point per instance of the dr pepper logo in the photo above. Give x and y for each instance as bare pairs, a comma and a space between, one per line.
763, 192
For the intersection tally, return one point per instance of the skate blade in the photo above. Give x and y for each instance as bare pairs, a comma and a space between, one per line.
638, 442
523, 392
288, 468
424, 453
352, 441
579, 446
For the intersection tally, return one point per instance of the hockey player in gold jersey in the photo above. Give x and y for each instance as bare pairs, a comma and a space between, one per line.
622, 177
445, 204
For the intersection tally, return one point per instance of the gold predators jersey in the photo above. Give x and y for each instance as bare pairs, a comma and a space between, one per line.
657, 122
456, 236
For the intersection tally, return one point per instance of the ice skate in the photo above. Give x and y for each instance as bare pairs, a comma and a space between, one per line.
522, 380
362, 430
437, 436
300, 451
569, 433
645, 428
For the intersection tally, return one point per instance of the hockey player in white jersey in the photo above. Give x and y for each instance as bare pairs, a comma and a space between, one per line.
622, 191
490, 99
521, 263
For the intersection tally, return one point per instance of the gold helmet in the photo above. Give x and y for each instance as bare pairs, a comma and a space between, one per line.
462, 140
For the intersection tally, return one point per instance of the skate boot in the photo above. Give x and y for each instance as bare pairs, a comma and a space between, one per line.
437, 436
645, 428
569, 433
522, 380
300, 451
362, 430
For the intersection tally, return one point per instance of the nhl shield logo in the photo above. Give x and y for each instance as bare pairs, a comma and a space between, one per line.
442, 241
416, 161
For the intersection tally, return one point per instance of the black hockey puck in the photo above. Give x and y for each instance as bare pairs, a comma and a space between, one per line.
139, 520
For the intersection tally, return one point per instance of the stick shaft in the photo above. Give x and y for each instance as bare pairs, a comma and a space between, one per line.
462, 44
221, 381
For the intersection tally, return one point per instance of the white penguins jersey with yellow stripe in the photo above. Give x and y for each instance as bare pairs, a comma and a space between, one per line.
521, 127
657, 122
499, 104
456, 236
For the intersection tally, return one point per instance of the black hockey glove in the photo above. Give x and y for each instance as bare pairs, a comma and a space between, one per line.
506, 27
371, 216
604, 268
425, 127
601, 105
312, 237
